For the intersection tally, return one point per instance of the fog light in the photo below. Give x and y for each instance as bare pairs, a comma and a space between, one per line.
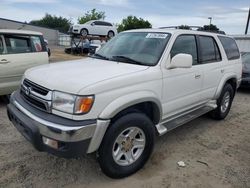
51, 143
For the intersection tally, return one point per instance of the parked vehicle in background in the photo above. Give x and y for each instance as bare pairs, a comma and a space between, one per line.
47, 47
140, 84
19, 50
94, 27
246, 70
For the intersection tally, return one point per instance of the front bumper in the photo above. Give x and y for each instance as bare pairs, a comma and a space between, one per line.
75, 138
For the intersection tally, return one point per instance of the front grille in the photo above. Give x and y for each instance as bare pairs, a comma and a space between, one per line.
34, 102
36, 95
38, 89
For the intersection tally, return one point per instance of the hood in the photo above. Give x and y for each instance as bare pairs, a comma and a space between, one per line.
72, 76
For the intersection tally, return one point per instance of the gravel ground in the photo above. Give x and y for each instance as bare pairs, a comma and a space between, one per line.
216, 153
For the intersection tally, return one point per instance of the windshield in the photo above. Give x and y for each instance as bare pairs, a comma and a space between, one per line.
143, 48
246, 58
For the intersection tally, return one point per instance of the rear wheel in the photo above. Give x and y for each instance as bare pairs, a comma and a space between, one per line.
127, 145
223, 103
111, 34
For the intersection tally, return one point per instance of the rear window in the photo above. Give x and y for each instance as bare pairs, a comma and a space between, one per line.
209, 50
36, 43
230, 47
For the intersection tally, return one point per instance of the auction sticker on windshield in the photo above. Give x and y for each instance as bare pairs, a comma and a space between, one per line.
156, 36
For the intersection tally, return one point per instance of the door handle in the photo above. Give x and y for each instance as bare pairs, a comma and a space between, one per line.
4, 61
222, 70
197, 76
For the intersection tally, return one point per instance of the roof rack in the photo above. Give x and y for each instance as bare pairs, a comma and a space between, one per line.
179, 27
196, 28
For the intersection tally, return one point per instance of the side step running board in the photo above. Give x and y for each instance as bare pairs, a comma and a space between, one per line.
174, 123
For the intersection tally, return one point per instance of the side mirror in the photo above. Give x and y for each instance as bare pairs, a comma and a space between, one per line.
92, 24
181, 61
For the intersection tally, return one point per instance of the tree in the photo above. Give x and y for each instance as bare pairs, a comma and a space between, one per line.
92, 15
211, 28
132, 22
184, 27
53, 22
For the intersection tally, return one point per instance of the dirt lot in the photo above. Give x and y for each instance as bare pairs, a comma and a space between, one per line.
222, 147
57, 54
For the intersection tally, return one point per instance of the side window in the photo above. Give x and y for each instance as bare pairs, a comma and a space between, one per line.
97, 23
107, 24
185, 44
17, 44
36, 43
230, 47
1, 46
209, 51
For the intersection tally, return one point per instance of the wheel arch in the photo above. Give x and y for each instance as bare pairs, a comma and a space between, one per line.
145, 102
230, 79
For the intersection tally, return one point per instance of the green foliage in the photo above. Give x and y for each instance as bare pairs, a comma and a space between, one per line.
184, 27
132, 22
209, 28
53, 22
92, 15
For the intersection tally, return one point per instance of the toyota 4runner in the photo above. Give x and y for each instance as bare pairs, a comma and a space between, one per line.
141, 84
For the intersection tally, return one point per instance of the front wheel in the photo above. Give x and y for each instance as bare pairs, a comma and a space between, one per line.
223, 103
127, 145
84, 32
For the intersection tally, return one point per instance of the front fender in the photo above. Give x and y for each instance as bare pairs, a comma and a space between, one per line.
128, 100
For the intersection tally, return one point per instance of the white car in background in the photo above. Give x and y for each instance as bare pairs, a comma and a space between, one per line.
94, 27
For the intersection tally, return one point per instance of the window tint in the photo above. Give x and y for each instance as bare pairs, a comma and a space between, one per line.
17, 44
36, 43
230, 47
107, 24
1, 46
98, 23
209, 50
185, 44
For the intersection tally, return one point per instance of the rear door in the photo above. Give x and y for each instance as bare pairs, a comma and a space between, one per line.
22, 52
211, 64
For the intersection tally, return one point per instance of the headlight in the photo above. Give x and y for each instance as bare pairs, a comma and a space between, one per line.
72, 104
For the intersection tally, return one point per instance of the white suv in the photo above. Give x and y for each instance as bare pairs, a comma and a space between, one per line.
94, 27
140, 84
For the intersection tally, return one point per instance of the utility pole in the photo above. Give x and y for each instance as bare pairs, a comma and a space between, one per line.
210, 22
248, 20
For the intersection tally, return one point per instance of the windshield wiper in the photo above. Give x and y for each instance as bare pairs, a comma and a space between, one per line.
100, 56
127, 59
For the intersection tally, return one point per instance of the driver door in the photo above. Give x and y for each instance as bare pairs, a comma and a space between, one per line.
182, 86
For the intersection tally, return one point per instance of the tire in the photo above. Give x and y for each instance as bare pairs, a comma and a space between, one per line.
84, 32
143, 128
111, 34
223, 109
6, 99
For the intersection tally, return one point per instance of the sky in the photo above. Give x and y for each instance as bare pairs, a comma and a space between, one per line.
229, 15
